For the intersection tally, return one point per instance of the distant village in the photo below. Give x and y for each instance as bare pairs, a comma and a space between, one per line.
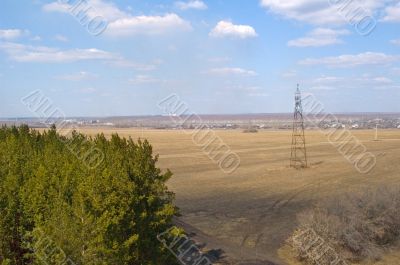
225, 122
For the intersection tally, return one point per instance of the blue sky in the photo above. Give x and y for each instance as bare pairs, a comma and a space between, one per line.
236, 56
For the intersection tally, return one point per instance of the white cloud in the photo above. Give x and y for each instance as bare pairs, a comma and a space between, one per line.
255, 91
322, 87
319, 37
42, 54
88, 90
56, 7
290, 74
252, 88
367, 58
232, 71
219, 59
228, 29
395, 42
144, 79
92, 8
258, 94
61, 38
124, 63
36, 38
77, 76
192, 4
148, 25
10, 34
327, 79
395, 71
27, 53
352, 82
374, 82
235, 88
121, 23
381, 80
392, 13
319, 12
326, 82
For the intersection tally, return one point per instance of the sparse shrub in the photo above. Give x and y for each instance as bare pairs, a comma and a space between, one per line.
250, 130
358, 226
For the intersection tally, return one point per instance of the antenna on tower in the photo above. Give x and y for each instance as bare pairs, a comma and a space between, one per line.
298, 157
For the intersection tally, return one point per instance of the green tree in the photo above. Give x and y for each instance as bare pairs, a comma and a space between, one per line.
54, 207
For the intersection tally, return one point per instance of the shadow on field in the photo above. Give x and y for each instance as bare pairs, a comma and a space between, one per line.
269, 221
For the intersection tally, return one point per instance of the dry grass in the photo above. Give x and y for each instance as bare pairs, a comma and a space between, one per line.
357, 227
251, 212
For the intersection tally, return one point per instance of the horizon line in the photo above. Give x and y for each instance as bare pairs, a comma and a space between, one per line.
208, 114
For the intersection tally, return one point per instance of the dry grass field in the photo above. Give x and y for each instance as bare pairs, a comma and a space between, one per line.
248, 214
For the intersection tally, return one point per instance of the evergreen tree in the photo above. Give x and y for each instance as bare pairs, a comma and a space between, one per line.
57, 209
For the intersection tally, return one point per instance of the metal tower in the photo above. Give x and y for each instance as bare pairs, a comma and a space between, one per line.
299, 153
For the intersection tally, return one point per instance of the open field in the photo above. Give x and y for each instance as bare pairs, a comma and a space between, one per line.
248, 214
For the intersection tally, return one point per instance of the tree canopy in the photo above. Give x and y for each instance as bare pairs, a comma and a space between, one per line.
57, 209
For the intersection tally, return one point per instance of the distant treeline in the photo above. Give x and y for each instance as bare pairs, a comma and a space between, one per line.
57, 209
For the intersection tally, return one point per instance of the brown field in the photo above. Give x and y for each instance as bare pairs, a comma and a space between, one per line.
247, 215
